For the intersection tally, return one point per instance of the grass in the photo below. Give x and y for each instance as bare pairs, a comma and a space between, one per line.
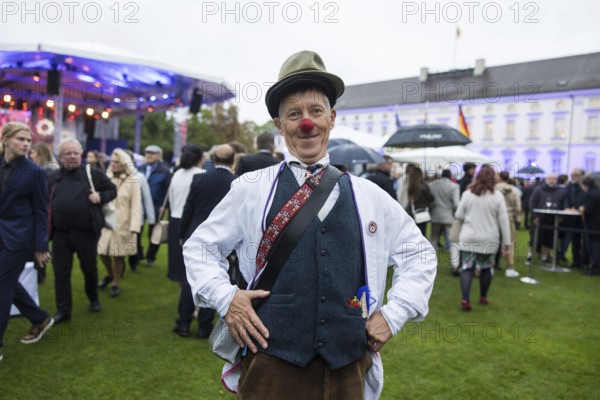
530, 342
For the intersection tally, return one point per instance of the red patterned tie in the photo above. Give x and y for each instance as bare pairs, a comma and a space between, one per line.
283, 217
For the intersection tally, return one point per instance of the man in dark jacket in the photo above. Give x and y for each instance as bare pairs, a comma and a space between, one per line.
467, 178
381, 177
76, 222
159, 177
591, 214
262, 159
574, 200
23, 229
547, 196
207, 190
528, 188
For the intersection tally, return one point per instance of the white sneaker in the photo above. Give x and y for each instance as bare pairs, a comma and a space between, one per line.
511, 273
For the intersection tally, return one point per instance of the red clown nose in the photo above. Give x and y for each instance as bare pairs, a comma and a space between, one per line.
306, 125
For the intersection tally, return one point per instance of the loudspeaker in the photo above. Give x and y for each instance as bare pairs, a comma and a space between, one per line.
196, 102
53, 85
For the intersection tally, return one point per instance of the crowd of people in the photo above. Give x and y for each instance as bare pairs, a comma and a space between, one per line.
441, 196
70, 193
323, 316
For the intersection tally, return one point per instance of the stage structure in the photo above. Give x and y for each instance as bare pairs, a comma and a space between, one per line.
82, 87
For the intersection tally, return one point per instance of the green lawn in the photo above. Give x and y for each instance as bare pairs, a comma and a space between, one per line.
530, 342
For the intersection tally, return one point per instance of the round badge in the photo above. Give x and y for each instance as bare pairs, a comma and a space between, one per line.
372, 227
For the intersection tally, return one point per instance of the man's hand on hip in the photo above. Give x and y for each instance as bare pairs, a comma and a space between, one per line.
243, 322
378, 331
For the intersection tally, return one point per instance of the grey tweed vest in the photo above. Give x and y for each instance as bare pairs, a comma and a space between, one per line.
307, 312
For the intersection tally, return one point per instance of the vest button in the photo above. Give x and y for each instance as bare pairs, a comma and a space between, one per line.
322, 322
320, 345
323, 229
323, 299
323, 252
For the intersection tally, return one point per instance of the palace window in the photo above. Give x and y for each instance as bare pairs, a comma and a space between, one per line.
589, 161
560, 124
556, 164
534, 128
510, 129
592, 126
488, 130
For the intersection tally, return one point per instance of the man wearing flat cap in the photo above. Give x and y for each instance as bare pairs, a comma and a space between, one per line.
317, 331
158, 176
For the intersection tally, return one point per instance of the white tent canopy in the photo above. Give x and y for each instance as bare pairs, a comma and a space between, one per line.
440, 157
362, 139
98, 51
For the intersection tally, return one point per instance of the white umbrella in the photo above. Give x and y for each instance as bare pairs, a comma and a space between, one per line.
441, 156
362, 139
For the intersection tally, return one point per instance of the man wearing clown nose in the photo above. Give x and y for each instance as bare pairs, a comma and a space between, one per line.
318, 329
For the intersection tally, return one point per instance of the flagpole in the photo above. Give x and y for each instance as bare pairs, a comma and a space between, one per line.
456, 36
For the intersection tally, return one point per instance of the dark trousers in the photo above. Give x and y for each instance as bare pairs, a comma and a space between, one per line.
135, 259
595, 254
64, 244
422, 227
186, 311
12, 264
579, 250
152, 248
266, 377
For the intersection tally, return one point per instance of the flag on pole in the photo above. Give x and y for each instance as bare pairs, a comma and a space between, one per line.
462, 123
398, 123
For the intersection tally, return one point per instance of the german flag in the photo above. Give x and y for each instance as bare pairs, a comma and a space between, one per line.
462, 123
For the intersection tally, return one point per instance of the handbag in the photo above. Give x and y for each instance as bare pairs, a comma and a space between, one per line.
108, 209
221, 340
160, 232
454, 234
420, 216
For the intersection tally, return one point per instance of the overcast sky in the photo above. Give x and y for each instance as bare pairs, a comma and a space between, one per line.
245, 43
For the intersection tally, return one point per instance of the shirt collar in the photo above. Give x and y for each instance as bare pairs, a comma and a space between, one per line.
13, 163
294, 163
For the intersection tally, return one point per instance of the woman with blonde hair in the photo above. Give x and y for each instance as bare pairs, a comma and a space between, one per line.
41, 155
115, 245
485, 222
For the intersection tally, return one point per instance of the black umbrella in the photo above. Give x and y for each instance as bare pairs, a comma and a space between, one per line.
531, 169
337, 142
349, 154
426, 135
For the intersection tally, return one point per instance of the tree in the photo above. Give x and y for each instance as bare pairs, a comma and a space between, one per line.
213, 125
156, 129
200, 130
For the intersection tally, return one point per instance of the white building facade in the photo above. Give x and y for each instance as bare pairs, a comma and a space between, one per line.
547, 112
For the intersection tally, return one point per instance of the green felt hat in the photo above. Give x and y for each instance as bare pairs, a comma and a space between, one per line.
301, 70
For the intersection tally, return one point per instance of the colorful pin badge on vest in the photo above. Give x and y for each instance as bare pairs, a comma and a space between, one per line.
372, 227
